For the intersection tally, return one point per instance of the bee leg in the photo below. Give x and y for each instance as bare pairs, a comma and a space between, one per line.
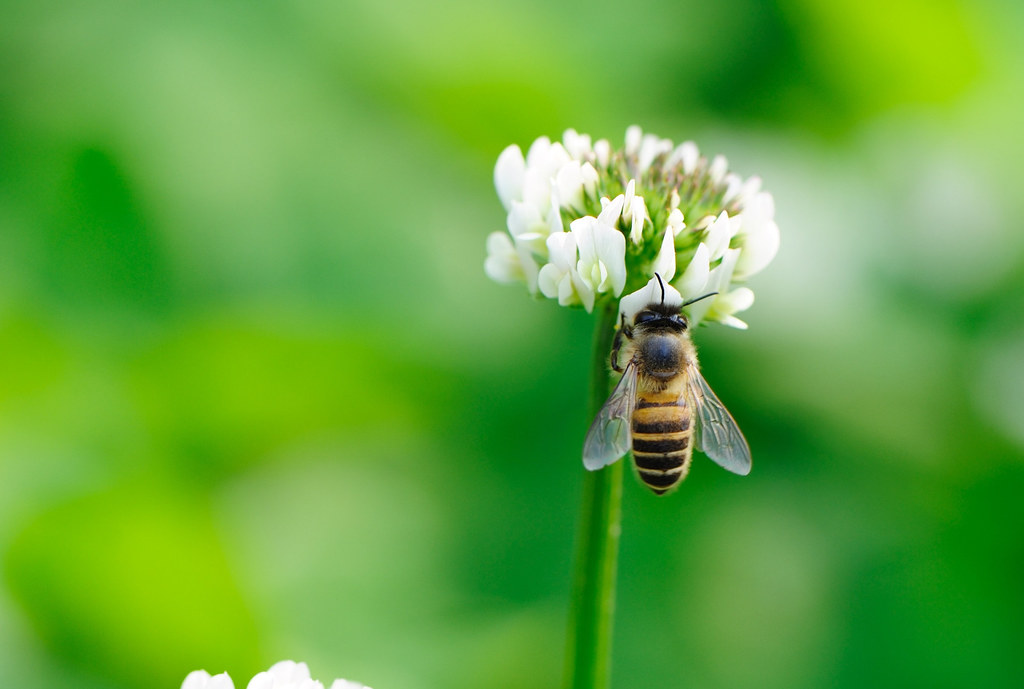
617, 343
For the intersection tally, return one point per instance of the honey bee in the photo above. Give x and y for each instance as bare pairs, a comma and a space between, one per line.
662, 407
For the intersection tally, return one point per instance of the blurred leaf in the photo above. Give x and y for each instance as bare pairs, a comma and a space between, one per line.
100, 251
132, 584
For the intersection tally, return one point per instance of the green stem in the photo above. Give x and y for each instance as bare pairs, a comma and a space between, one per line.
593, 597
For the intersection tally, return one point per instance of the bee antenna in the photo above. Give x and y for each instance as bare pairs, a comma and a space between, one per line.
709, 294
662, 287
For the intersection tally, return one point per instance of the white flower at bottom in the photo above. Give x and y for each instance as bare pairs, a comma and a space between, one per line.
201, 679
286, 674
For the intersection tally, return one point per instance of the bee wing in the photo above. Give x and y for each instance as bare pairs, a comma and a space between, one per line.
718, 436
609, 436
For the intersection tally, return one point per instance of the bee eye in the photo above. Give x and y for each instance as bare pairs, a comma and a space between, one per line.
645, 316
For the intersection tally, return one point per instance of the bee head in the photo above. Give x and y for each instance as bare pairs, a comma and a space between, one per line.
660, 316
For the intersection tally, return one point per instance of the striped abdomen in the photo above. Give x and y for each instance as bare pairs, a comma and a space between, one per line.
662, 440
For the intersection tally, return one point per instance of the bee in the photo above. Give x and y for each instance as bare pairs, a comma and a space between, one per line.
662, 407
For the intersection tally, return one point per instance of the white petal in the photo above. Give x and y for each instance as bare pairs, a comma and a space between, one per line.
694, 279
263, 680
627, 196
584, 290
686, 153
569, 185
759, 249
733, 322
611, 249
719, 166
196, 679
651, 147
523, 218
530, 267
602, 252
603, 152
750, 189
675, 222
562, 250
566, 291
548, 279
718, 281
578, 145
201, 679
639, 213
590, 179
740, 299
502, 263
221, 681
538, 153
555, 219
612, 210
289, 671
651, 293
557, 157
719, 235
733, 186
665, 262
508, 175
537, 187
634, 137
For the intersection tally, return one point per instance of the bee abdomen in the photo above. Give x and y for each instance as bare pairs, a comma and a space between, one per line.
661, 442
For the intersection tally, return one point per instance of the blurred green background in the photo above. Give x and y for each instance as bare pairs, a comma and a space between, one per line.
258, 400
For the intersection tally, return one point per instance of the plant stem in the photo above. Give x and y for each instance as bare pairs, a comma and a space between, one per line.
593, 598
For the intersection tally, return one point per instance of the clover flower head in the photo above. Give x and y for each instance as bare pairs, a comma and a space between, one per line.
587, 224
201, 679
286, 674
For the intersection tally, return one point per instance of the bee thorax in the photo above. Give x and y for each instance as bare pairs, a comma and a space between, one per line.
661, 355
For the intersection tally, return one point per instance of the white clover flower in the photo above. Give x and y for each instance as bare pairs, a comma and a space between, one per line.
509, 172
634, 211
651, 293
651, 147
603, 152
694, 280
686, 155
573, 205
201, 679
575, 181
725, 303
286, 674
758, 234
716, 171
560, 278
719, 234
578, 145
602, 262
